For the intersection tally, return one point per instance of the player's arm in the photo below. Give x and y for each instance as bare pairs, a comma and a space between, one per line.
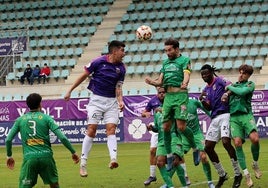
200, 105
78, 81
119, 95
242, 91
204, 101
10, 161
155, 82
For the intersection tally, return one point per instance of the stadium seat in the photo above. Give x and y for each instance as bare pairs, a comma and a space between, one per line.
158, 68
237, 63
200, 44
143, 91
17, 97
7, 97
197, 66
249, 62
204, 54
133, 91
63, 63
263, 51
194, 55
258, 63
218, 65
193, 89
209, 43
239, 41
243, 52
228, 64
213, 54
233, 53
140, 69
130, 70
149, 69
75, 94
146, 58
54, 64
219, 42
223, 53
253, 52
65, 73
71, 63
18, 65
84, 93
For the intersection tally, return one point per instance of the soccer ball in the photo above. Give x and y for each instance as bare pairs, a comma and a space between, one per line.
144, 32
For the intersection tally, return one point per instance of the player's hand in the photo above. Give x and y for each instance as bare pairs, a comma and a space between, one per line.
149, 127
121, 106
10, 163
203, 96
148, 80
67, 96
224, 98
75, 158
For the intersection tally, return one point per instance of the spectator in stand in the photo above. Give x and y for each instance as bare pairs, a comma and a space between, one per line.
45, 72
35, 74
27, 74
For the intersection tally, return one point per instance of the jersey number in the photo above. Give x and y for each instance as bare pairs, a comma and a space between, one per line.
33, 127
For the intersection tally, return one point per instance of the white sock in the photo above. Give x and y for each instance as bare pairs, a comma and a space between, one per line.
219, 169
86, 147
246, 172
112, 146
183, 165
236, 167
152, 170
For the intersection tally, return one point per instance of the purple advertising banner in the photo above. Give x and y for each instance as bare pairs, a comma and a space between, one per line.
71, 117
10, 46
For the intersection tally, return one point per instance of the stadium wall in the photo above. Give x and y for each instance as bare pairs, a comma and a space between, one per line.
71, 117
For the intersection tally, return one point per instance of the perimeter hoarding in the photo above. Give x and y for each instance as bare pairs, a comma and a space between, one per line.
71, 117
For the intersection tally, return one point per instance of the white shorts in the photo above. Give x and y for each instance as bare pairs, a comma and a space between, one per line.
102, 110
154, 140
219, 127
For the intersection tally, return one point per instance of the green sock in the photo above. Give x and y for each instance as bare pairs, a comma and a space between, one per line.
166, 176
181, 175
241, 157
207, 170
167, 141
188, 133
255, 150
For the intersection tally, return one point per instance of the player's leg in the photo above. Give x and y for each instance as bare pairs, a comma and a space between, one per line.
48, 172
206, 168
186, 148
28, 174
252, 131
112, 145
212, 137
153, 147
111, 119
161, 164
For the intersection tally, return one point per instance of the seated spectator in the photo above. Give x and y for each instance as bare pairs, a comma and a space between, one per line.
35, 74
27, 74
45, 72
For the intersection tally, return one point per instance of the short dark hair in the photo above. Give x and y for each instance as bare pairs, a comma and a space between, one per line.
115, 44
248, 69
33, 101
171, 41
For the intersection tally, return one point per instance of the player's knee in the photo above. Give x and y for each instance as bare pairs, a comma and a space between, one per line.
161, 162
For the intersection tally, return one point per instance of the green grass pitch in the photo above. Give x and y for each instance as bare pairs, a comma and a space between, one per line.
133, 168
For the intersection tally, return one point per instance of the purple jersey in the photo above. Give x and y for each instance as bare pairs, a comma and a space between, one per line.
153, 104
105, 76
214, 93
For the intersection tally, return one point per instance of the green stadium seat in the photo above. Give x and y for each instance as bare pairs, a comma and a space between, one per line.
71, 63
65, 73
205, 32
149, 69
133, 91
213, 54
258, 63
223, 53
233, 53
63, 63
84, 93
228, 64
140, 69
130, 70
237, 63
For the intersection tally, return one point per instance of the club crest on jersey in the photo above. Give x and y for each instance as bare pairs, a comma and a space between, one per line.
117, 70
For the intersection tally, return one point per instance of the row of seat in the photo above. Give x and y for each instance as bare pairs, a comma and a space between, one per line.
59, 42
13, 97
56, 74
229, 19
196, 66
45, 14
52, 53
43, 5
149, 6
84, 93
54, 63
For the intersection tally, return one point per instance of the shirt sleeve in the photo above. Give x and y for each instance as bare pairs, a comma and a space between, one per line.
249, 88
14, 130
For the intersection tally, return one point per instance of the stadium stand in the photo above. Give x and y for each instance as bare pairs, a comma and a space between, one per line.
68, 34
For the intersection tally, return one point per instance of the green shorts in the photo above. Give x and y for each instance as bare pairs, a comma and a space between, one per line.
199, 140
242, 125
31, 168
175, 106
